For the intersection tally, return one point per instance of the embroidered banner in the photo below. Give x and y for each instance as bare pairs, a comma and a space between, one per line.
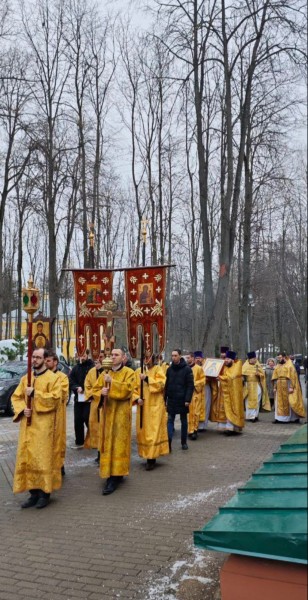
145, 304
93, 289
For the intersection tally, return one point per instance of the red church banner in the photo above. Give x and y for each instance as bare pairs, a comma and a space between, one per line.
93, 289
145, 305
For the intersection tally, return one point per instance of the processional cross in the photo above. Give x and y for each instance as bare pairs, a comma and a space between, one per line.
109, 311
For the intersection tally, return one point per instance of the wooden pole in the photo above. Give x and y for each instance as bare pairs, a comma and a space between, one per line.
29, 366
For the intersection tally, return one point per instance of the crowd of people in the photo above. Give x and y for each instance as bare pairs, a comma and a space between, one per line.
104, 393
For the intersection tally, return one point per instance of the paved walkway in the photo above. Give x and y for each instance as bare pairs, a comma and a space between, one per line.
136, 543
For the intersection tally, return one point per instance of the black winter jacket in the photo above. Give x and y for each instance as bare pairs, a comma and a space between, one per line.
78, 375
179, 387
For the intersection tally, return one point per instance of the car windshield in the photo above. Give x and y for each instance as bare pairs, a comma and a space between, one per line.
6, 374
11, 371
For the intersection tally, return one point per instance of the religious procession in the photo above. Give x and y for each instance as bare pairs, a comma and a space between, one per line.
223, 390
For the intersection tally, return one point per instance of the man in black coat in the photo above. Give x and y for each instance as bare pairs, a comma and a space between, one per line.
81, 408
178, 394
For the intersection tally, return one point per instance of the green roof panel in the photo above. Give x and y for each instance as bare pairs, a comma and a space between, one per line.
268, 516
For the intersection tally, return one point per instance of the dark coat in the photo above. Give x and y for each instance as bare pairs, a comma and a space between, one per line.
179, 387
78, 375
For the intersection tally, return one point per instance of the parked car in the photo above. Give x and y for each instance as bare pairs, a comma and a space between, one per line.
10, 375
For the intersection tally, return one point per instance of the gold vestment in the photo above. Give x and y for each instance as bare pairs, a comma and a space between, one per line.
38, 460
152, 439
285, 377
198, 399
254, 376
92, 437
61, 415
115, 459
229, 404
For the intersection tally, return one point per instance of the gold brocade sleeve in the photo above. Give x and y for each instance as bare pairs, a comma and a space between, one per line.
19, 400
199, 378
136, 391
156, 380
98, 385
90, 380
64, 384
47, 401
122, 389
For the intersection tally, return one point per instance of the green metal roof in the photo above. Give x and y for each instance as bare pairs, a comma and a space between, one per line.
268, 516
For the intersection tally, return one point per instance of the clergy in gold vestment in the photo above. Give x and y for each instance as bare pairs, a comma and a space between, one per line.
38, 461
255, 389
289, 405
116, 387
92, 437
52, 363
228, 408
198, 398
152, 438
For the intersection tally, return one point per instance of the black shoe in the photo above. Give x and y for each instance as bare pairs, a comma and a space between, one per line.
170, 445
30, 502
62, 470
276, 422
296, 422
184, 447
194, 436
110, 486
150, 466
42, 502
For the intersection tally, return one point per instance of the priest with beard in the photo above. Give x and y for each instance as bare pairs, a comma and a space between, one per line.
38, 461
228, 407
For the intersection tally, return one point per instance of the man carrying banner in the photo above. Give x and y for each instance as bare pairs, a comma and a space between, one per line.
113, 390
152, 437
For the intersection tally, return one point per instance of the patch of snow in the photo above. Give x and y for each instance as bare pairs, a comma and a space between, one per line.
203, 580
162, 588
83, 462
165, 509
177, 565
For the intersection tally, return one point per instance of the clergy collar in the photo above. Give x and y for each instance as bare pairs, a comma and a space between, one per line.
41, 373
114, 369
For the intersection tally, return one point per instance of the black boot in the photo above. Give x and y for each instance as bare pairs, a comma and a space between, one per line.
151, 462
111, 485
43, 500
32, 500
